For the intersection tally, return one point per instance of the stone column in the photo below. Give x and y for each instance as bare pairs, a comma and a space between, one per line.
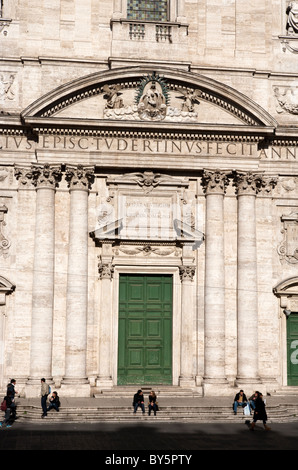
214, 183
79, 179
106, 272
187, 351
45, 179
247, 285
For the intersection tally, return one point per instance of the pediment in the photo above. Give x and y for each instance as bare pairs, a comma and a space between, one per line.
123, 96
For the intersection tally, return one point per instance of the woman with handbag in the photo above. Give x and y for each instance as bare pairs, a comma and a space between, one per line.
152, 405
259, 412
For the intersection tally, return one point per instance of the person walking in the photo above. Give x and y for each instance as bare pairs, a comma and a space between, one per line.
12, 391
259, 412
45, 390
9, 416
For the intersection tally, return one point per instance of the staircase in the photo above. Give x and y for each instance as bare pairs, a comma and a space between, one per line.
121, 411
175, 405
195, 414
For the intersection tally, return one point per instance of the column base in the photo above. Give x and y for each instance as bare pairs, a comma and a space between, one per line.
187, 382
250, 385
75, 387
219, 386
104, 383
33, 386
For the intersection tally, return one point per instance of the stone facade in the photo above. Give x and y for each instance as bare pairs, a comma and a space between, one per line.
136, 148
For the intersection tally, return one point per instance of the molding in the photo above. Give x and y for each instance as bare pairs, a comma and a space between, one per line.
212, 91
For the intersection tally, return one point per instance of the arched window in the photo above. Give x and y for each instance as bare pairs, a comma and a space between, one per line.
152, 10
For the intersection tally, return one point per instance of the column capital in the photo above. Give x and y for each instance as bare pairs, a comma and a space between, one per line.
187, 273
79, 176
215, 181
23, 174
46, 176
106, 270
247, 183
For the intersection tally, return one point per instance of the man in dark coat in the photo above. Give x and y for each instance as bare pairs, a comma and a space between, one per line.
138, 401
239, 400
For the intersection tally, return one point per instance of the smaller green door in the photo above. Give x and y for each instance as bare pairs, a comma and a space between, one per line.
292, 348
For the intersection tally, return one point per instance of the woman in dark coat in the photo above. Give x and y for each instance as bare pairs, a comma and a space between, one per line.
260, 412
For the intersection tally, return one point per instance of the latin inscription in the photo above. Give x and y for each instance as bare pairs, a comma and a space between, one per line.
147, 146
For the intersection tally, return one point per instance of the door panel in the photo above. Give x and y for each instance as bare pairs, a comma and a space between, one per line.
292, 348
145, 329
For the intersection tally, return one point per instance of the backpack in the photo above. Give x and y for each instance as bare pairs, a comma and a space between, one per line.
3, 405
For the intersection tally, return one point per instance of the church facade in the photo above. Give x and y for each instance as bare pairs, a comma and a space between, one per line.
149, 195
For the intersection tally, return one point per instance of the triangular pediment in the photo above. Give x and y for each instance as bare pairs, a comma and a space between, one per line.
121, 97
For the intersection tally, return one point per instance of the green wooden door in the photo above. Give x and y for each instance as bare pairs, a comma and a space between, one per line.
292, 347
145, 329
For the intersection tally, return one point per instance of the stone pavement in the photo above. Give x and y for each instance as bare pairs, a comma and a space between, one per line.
150, 438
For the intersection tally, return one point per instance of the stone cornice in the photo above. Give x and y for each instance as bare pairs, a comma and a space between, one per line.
58, 126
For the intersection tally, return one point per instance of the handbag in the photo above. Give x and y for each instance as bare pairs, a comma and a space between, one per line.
3, 405
246, 410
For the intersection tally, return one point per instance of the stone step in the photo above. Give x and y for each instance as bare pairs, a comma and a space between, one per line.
286, 391
160, 390
279, 413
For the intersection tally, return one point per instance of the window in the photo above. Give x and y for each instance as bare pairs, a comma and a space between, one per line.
153, 10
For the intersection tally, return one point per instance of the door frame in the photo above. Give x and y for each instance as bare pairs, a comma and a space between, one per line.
176, 313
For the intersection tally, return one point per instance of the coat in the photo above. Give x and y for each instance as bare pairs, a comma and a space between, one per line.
260, 410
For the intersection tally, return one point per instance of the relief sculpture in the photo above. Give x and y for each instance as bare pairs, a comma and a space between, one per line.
288, 249
151, 102
292, 22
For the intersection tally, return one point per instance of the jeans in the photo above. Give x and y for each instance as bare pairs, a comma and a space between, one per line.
141, 405
236, 404
252, 404
152, 407
44, 404
53, 405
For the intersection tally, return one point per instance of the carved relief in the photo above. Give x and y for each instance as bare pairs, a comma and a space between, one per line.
287, 99
79, 176
288, 249
152, 102
4, 242
105, 270
6, 173
112, 95
38, 175
148, 180
190, 98
152, 98
187, 273
46, 175
147, 250
292, 21
24, 175
215, 181
247, 183
7, 86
